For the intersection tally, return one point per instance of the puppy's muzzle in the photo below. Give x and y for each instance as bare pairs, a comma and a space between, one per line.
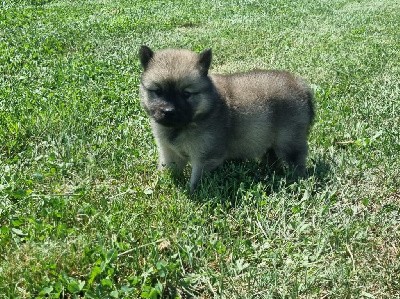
166, 115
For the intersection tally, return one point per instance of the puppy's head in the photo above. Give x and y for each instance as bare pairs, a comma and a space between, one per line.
175, 86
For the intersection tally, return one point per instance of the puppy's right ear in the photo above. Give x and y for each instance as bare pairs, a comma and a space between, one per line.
205, 60
145, 55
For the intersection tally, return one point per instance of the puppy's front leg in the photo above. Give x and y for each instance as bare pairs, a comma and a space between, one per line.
201, 166
170, 160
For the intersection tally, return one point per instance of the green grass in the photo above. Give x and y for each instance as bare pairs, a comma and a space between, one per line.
83, 211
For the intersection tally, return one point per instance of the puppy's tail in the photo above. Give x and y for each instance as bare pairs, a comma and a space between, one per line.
311, 107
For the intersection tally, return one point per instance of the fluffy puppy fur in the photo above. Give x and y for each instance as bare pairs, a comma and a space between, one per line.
205, 119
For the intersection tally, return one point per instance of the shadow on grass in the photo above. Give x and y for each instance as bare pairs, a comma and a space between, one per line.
229, 183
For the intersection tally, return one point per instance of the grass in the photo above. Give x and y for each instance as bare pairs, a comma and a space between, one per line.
83, 213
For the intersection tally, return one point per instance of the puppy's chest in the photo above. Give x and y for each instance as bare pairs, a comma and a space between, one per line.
190, 142
173, 136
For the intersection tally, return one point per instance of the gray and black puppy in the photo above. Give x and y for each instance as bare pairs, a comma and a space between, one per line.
205, 119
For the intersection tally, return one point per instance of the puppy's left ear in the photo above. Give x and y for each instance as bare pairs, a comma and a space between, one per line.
205, 58
145, 55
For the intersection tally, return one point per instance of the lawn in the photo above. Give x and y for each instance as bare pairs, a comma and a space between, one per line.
85, 213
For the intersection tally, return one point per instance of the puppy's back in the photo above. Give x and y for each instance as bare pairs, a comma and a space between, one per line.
265, 106
251, 89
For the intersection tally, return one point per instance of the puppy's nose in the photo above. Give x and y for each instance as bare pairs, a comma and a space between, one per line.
168, 110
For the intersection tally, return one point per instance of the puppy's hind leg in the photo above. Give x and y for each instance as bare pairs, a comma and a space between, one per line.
294, 154
270, 159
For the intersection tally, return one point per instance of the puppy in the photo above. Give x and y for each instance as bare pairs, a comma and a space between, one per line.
206, 119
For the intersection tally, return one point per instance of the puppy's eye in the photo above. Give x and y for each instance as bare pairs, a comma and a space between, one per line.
186, 94
157, 91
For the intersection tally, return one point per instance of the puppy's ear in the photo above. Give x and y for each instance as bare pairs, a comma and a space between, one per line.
145, 55
205, 58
